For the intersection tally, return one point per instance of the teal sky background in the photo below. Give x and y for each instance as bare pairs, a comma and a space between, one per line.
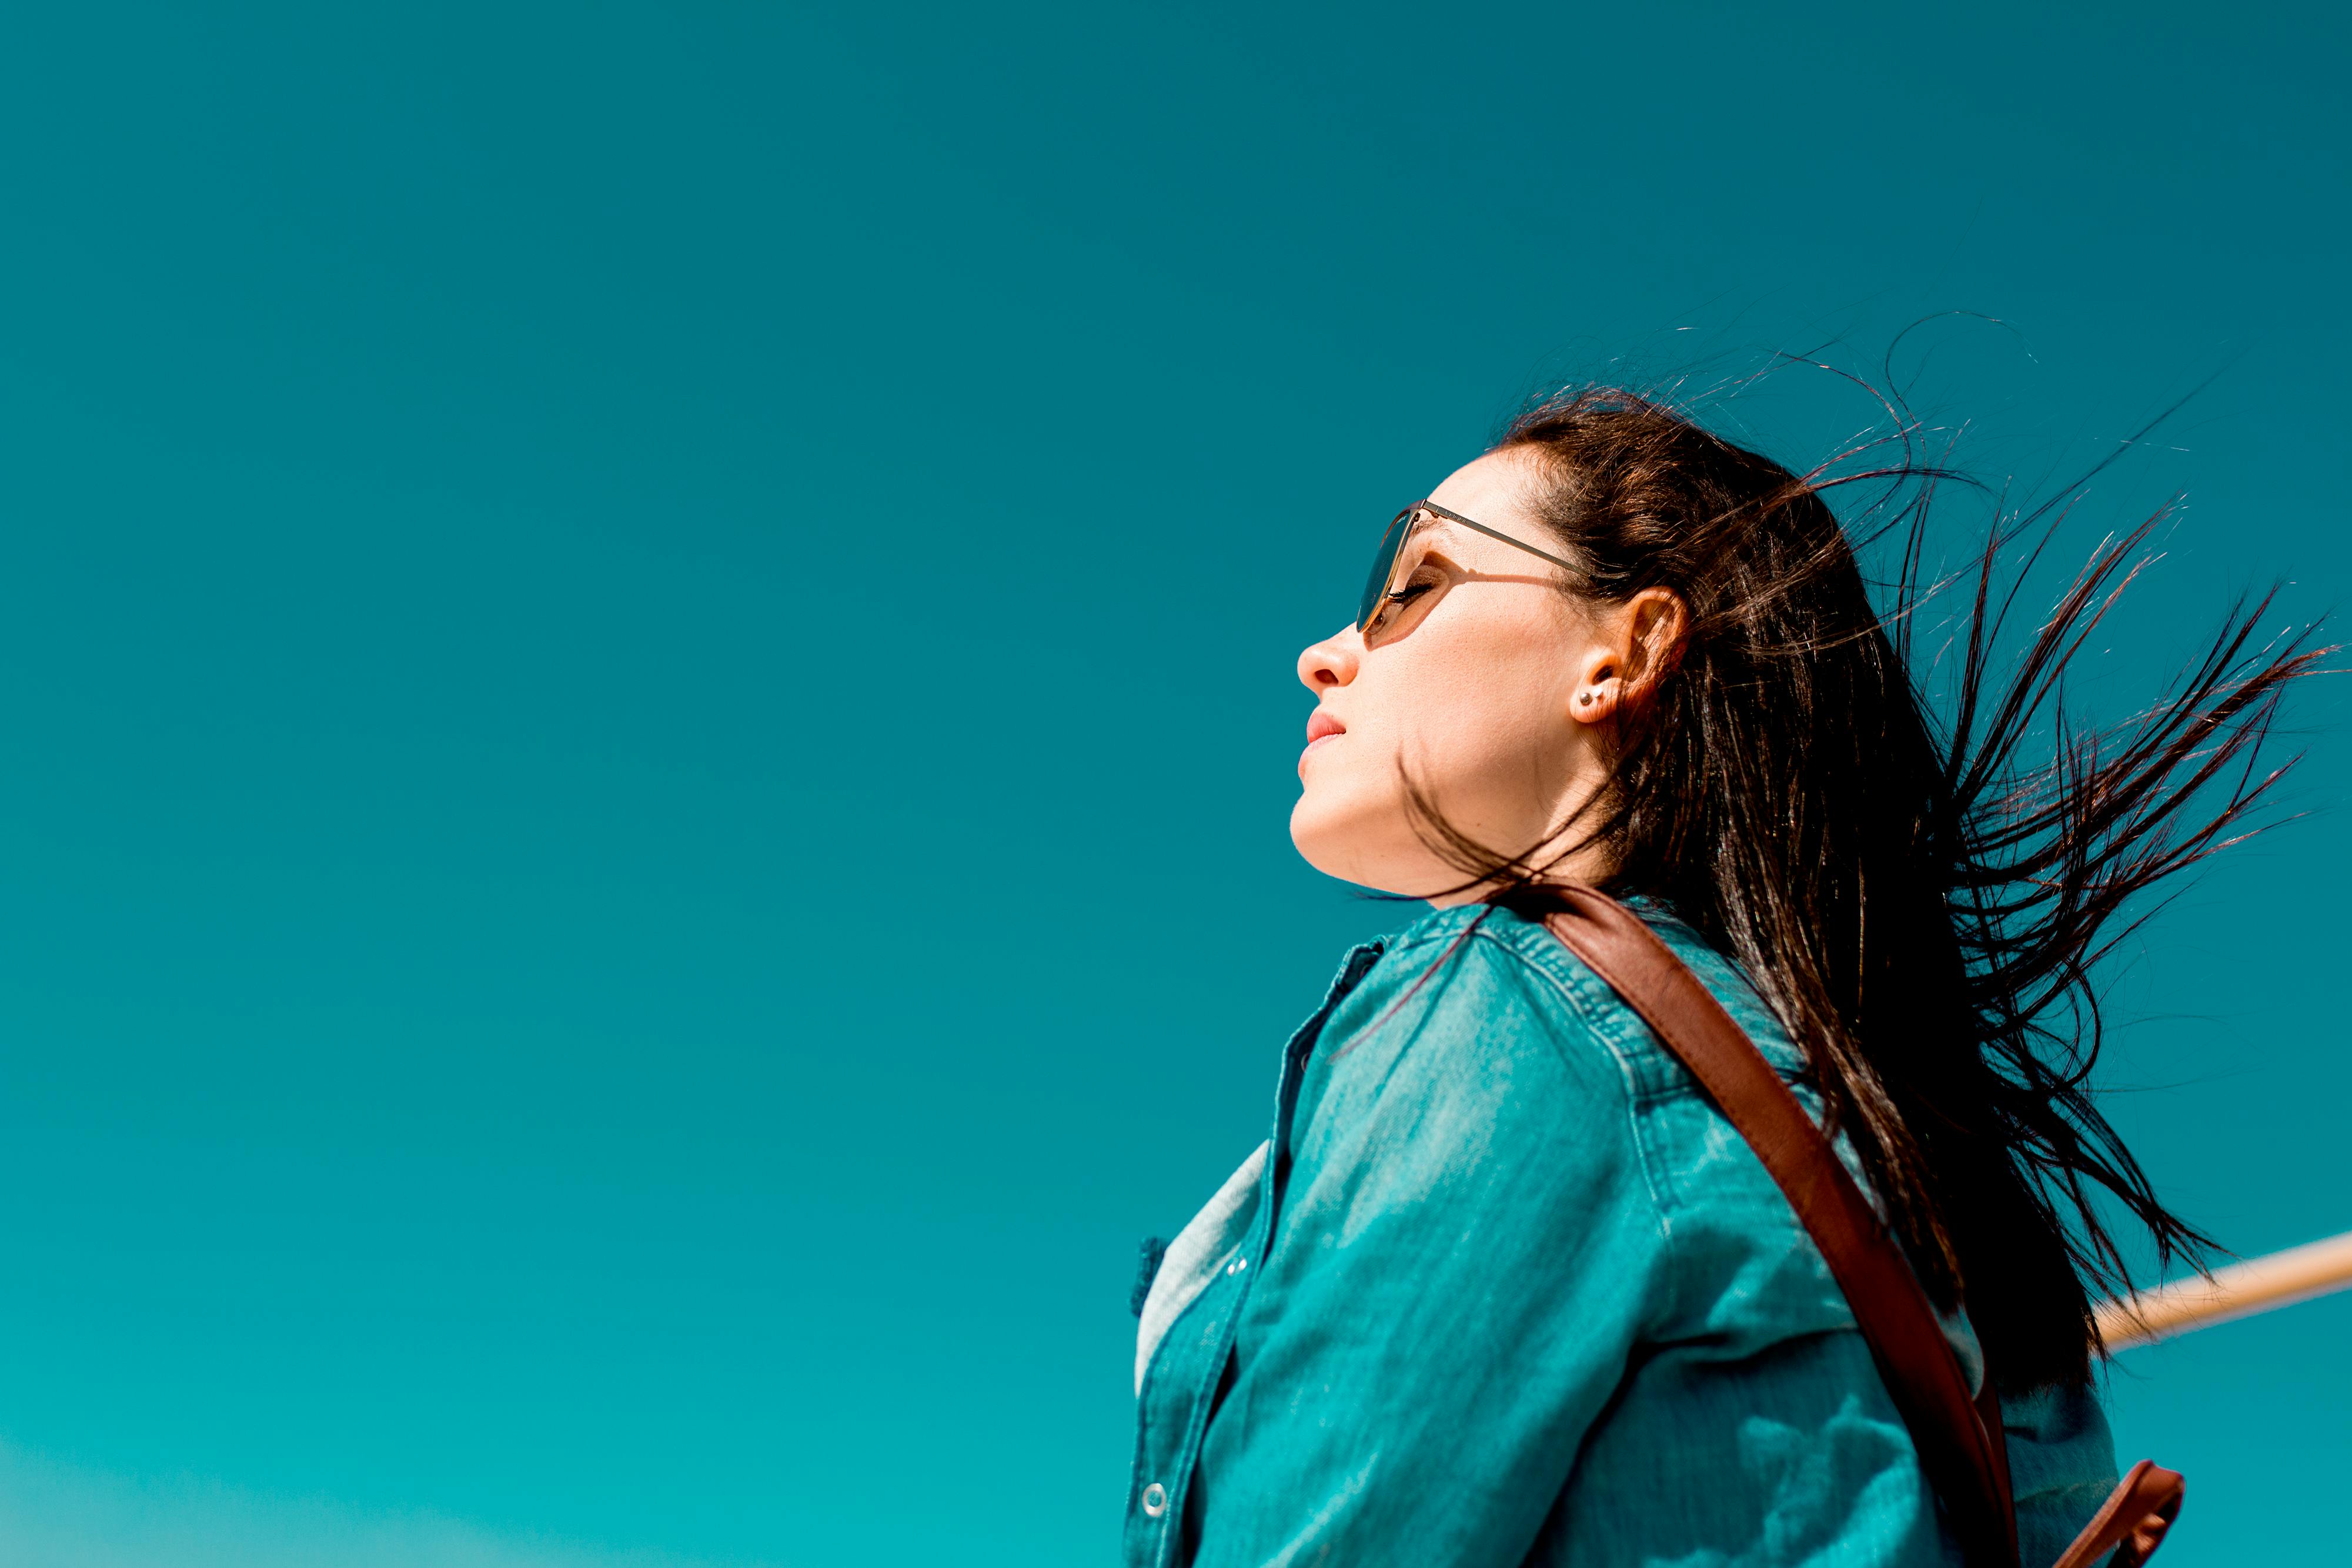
645, 654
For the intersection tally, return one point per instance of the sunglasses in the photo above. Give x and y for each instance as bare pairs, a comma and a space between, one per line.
1380, 586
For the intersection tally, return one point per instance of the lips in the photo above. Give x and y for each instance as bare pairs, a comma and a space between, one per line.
1322, 725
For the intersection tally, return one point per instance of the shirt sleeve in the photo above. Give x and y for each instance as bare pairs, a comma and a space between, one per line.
1467, 1254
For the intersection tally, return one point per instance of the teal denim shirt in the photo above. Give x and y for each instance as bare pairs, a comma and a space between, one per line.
1511, 1291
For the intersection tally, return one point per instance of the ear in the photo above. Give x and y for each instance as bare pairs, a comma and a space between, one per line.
1635, 643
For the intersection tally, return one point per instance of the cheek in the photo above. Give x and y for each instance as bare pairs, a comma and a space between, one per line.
1491, 723
1501, 719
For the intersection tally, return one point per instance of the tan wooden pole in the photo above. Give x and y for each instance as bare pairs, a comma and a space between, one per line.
2256, 1285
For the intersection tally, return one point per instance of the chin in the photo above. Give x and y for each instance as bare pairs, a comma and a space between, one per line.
1333, 841
1322, 842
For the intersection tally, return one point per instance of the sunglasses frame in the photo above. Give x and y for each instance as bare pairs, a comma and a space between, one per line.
1392, 543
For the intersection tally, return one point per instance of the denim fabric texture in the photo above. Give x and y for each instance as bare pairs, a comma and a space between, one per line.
1510, 1291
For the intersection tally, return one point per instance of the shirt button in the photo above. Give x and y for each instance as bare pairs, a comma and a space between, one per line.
1155, 1499
1237, 1265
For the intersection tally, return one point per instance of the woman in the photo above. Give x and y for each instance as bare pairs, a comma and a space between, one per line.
1504, 1287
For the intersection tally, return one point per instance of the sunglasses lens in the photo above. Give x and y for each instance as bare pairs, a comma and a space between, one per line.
1377, 585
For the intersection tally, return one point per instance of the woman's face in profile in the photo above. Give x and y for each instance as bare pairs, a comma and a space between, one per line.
1466, 682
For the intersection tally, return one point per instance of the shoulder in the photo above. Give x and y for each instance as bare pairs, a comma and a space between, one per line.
1478, 1042
1505, 1046
1486, 982
1470, 1084
1478, 1054
1471, 990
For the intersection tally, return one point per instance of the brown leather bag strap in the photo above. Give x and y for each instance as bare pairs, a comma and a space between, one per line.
2132, 1521
1961, 1449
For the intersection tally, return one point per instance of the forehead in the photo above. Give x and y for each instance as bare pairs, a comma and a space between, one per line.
1496, 489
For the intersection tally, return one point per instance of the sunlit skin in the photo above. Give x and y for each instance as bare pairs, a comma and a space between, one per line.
1490, 686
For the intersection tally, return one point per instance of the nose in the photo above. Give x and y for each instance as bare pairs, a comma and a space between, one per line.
1330, 662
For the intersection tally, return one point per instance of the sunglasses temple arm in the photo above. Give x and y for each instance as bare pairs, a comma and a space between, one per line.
1499, 534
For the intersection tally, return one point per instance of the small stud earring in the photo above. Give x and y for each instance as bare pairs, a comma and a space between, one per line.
1584, 699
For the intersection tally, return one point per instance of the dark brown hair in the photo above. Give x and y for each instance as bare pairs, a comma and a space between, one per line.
1921, 903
